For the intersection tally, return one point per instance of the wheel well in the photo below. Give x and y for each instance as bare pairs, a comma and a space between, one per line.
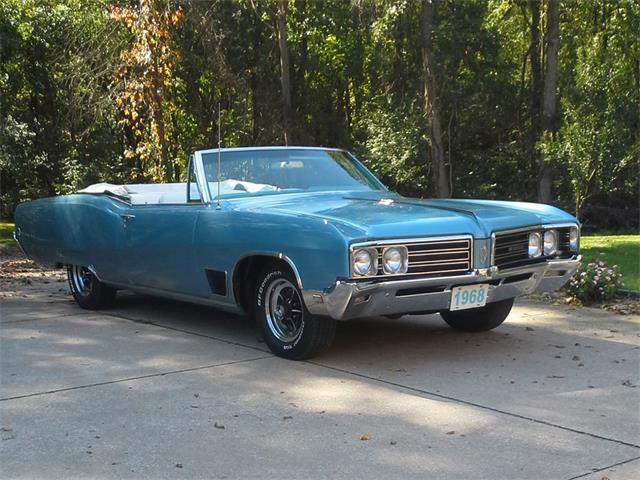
246, 273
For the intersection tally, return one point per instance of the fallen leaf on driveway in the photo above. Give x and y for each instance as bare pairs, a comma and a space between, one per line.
364, 437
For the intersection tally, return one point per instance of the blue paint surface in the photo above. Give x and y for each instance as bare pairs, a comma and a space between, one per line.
169, 246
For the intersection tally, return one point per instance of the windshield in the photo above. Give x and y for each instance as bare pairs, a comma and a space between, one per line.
287, 170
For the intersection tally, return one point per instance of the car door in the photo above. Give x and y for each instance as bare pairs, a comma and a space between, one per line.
158, 243
159, 246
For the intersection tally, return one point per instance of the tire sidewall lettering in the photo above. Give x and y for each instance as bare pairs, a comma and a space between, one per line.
261, 301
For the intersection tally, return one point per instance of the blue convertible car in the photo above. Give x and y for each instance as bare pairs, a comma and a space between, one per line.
300, 238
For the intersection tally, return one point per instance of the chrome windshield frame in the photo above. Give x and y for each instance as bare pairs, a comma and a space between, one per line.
208, 197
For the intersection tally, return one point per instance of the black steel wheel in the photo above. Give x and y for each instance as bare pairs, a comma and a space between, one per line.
89, 292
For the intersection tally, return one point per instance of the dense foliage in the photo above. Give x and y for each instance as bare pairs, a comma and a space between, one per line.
98, 90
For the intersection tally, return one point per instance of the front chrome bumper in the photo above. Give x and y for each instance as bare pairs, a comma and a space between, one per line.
348, 299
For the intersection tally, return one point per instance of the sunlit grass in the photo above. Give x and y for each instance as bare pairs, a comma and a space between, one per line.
6, 234
621, 250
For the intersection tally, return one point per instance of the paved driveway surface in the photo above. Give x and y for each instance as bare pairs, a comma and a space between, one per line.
159, 389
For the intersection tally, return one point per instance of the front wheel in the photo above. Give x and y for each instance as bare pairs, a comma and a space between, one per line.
287, 327
479, 319
89, 292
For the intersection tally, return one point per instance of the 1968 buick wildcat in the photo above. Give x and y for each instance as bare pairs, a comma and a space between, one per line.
300, 238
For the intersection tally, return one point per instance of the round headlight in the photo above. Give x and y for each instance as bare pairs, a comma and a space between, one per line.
364, 262
550, 242
535, 244
573, 239
394, 260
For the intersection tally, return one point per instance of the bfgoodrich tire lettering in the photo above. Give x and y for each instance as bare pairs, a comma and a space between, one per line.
479, 319
89, 292
287, 327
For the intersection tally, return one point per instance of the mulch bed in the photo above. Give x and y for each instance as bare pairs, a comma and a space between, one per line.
17, 273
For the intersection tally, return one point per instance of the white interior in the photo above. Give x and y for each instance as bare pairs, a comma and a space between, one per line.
167, 193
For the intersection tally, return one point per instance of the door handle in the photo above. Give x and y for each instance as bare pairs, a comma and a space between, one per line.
126, 218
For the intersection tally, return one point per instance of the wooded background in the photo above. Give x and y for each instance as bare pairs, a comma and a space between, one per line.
506, 99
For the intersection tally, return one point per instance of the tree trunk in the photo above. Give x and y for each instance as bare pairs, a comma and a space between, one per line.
431, 112
550, 99
398, 74
285, 68
536, 86
158, 119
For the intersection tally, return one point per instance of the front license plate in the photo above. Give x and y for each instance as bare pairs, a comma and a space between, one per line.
469, 296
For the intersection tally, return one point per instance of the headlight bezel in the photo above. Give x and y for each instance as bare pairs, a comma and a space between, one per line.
538, 238
403, 265
574, 242
373, 263
550, 242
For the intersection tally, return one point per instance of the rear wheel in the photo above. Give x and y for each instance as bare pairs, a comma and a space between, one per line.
479, 319
89, 292
287, 327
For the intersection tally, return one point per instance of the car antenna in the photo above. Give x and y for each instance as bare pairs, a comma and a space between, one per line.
218, 197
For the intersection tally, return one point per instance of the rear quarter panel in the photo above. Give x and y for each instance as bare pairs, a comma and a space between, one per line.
73, 229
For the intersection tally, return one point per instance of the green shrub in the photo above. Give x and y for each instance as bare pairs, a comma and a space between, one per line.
595, 282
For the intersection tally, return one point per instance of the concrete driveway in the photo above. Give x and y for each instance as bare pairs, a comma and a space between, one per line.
159, 389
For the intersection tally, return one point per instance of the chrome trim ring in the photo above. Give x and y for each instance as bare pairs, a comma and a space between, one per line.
283, 310
81, 280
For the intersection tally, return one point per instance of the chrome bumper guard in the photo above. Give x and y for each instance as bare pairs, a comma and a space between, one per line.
347, 299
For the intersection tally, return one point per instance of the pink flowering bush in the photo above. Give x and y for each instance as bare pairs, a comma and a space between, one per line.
595, 282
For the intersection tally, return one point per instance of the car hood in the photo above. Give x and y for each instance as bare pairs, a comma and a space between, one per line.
383, 215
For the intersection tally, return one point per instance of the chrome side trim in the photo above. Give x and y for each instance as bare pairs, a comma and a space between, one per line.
225, 306
278, 255
15, 237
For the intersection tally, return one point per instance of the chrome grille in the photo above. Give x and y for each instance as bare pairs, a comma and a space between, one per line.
564, 235
440, 257
511, 249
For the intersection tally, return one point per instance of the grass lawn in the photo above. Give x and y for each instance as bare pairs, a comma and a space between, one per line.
6, 234
621, 250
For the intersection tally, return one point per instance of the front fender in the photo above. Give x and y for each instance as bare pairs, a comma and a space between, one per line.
316, 250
